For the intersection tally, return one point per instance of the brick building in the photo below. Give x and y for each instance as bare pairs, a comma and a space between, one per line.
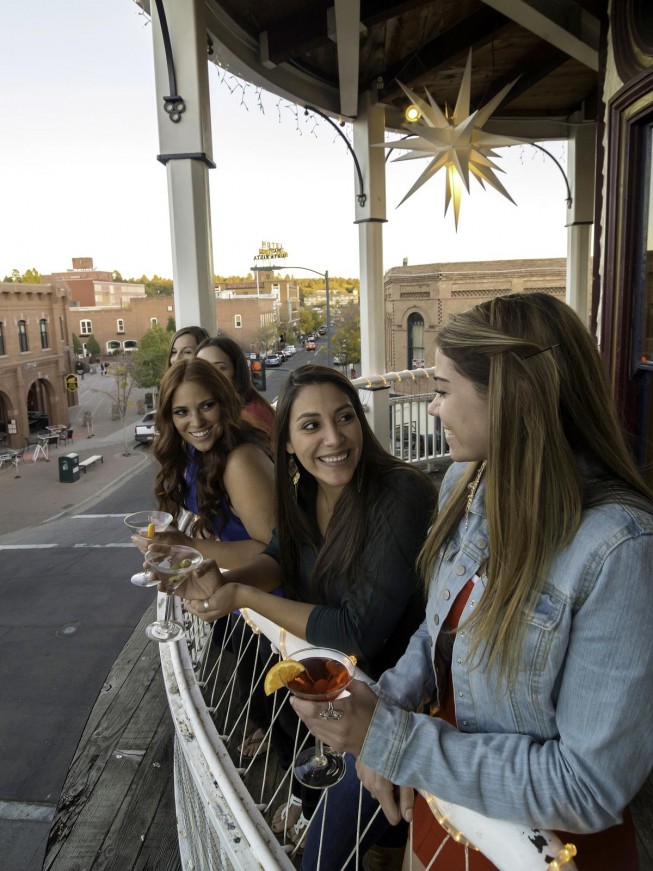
419, 299
35, 356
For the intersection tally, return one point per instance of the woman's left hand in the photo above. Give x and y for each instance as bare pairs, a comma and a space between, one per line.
348, 733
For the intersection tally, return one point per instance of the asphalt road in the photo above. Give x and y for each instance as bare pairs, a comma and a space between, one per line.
68, 609
276, 375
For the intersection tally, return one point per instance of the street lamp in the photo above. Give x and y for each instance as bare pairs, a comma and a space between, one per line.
325, 276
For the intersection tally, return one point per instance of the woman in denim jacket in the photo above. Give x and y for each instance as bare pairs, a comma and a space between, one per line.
536, 648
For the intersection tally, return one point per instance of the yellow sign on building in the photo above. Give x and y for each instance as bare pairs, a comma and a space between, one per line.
71, 382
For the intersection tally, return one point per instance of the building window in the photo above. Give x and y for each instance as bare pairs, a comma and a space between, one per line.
22, 336
2, 340
43, 329
643, 284
415, 341
120, 325
154, 322
85, 328
238, 321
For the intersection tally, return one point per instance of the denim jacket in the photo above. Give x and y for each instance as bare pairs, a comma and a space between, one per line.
569, 745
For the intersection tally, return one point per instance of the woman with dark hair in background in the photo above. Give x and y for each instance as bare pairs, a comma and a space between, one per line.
184, 343
228, 357
350, 523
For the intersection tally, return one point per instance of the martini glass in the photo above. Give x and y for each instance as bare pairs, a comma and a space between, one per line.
328, 673
140, 521
171, 567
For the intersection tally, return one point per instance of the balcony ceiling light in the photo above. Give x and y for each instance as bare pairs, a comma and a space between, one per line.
455, 140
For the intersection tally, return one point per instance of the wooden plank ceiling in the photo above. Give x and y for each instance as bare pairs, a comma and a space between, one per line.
344, 47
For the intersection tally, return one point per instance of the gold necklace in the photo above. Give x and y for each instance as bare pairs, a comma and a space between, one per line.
473, 487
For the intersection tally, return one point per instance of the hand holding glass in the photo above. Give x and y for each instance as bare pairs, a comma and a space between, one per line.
172, 567
327, 673
141, 522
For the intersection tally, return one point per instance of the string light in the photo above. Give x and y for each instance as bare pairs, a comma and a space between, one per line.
564, 856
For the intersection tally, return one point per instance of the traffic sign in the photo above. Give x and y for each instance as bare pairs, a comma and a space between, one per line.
71, 382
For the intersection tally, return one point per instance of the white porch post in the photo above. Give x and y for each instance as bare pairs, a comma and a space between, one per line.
581, 163
369, 128
186, 151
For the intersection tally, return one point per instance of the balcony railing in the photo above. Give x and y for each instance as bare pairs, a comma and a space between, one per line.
223, 799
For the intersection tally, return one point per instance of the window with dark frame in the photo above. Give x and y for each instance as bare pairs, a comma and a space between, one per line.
416, 348
23, 344
643, 274
2, 340
43, 330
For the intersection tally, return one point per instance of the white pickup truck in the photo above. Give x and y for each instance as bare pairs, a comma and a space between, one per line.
144, 430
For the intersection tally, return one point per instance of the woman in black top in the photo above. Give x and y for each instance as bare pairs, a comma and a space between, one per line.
351, 520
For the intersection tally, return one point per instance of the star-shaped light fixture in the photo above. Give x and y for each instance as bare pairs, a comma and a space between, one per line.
456, 141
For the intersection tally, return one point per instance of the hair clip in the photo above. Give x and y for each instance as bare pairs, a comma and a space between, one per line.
541, 351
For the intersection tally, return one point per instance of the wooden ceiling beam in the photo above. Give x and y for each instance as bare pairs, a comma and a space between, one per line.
553, 22
295, 35
475, 30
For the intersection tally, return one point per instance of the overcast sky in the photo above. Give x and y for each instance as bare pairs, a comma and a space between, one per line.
79, 175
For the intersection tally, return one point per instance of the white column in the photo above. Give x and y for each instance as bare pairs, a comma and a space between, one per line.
581, 165
369, 132
186, 151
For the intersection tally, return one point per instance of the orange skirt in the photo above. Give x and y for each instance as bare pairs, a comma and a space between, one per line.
609, 850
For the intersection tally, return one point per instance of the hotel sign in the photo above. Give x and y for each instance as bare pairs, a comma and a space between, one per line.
270, 251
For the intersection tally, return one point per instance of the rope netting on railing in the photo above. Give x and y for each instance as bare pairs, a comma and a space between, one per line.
225, 800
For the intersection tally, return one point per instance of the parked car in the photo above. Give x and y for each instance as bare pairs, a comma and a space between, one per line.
322, 331
310, 346
144, 430
289, 350
312, 338
274, 360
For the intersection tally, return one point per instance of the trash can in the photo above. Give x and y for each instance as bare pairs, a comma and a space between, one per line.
68, 468
149, 404
70, 433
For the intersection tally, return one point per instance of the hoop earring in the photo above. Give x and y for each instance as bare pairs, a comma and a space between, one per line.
293, 473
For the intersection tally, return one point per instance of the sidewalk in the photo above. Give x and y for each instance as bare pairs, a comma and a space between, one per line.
32, 493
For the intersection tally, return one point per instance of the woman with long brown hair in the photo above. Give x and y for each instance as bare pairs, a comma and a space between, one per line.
214, 464
535, 655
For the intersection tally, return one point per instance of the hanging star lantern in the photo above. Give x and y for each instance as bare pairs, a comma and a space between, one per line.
456, 141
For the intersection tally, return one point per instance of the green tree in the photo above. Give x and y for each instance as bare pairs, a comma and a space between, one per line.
309, 320
171, 327
31, 276
148, 363
116, 275
346, 338
93, 346
266, 337
120, 391
77, 345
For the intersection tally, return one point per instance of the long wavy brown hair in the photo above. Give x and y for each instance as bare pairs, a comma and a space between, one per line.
173, 452
198, 333
340, 554
555, 449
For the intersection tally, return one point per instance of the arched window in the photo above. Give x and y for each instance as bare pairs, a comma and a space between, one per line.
416, 349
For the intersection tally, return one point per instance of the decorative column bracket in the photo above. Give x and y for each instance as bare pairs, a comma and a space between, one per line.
174, 104
361, 196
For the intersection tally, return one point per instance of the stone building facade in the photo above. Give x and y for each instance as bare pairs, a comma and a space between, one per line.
419, 299
35, 356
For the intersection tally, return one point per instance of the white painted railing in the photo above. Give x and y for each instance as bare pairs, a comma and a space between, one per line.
222, 809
